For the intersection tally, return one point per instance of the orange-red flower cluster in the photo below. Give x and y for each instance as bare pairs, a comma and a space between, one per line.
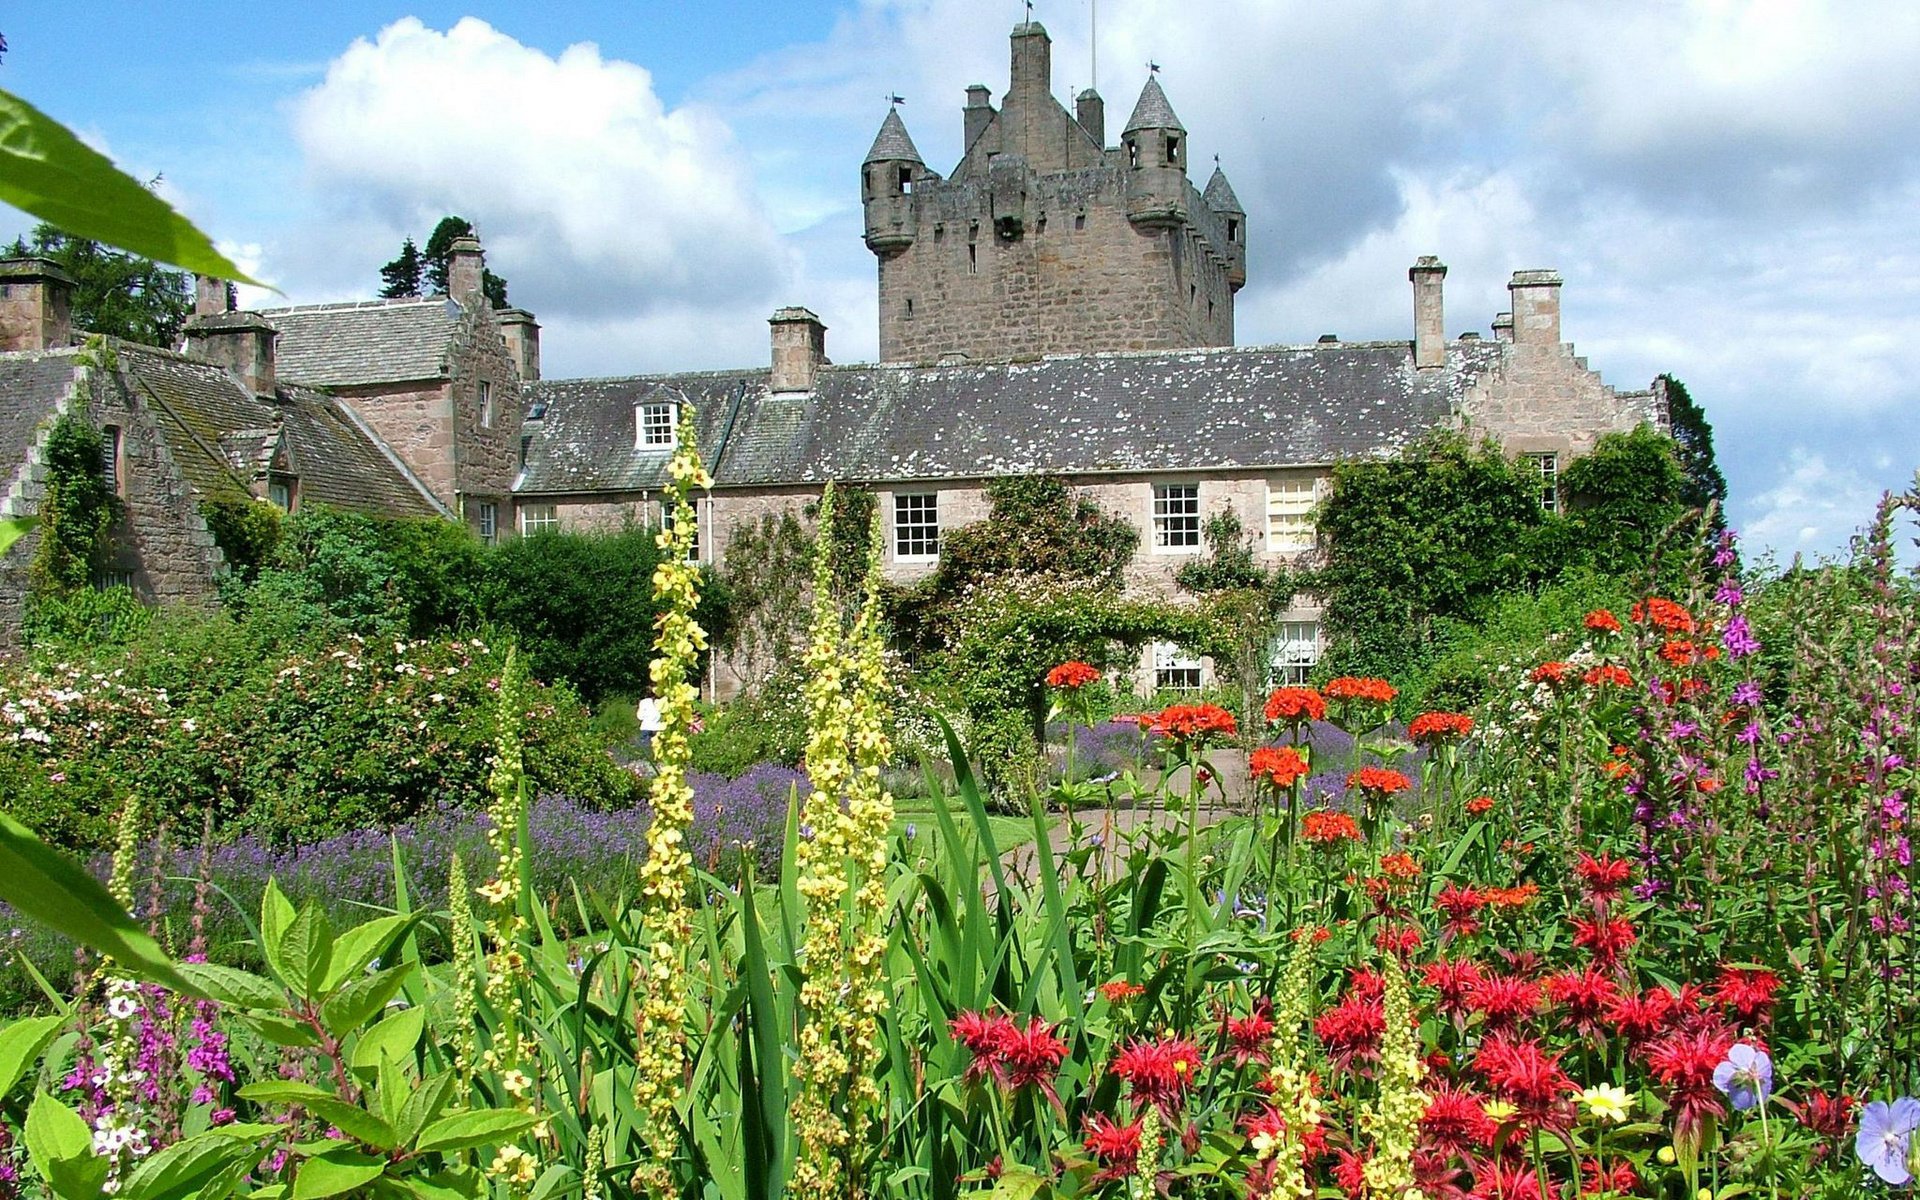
1294, 704
1601, 620
1400, 866
1361, 687
1324, 827
1071, 675
1382, 781
1479, 806
1608, 675
1436, 728
1191, 722
1116, 1146
1663, 614
1120, 991
1551, 673
1511, 897
1281, 766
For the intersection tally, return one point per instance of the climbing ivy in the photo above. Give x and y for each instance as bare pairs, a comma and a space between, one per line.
77, 510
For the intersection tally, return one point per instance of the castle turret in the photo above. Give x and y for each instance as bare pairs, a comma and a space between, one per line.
1220, 198
887, 179
1155, 144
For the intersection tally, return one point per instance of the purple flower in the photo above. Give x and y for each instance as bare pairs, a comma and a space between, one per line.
1746, 692
1739, 639
1745, 1076
1886, 1135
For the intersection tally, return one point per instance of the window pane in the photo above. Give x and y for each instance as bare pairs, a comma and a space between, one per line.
656, 424
1174, 668
1176, 516
916, 525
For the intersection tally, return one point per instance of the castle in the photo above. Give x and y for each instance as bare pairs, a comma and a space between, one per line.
1056, 305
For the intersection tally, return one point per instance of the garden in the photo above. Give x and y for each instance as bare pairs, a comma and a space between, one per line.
1636, 922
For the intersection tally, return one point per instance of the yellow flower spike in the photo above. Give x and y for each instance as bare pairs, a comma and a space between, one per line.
1393, 1120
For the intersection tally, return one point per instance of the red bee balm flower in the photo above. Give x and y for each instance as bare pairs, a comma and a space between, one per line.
1462, 908
1357, 687
1685, 1061
1602, 621
1479, 806
1292, 704
1159, 1071
1505, 1000
1324, 827
1583, 996
1071, 675
1602, 878
1281, 766
1607, 939
1116, 1146
1746, 993
1521, 1072
1439, 728
1246, 1037
1351, 1029
1382, 781
1455, 1122
1455, 980
1192, 722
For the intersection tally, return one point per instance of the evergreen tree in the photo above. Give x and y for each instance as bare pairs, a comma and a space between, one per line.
437, 256
1693, 436
401, 277
117, 294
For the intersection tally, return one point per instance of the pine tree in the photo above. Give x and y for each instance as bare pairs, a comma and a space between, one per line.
1693, 435
440, 242
401, 277
117, 294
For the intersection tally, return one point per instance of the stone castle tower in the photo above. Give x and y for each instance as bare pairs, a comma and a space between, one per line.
1045, 240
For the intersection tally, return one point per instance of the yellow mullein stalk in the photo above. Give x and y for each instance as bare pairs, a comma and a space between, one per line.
126, 851
466, 972
1292, 1093
596, 1162
1393, 1121
507, 973
870, 817
666, 920
1146, 1168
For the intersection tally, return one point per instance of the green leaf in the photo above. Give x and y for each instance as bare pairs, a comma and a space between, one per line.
1018, 1184
357, 947
305, 950
462, 1184
48, 172
13, 529
394, 1037
20, 1047
336, 1173
423, 1105
181, 1169
276, 913
282, 1031
233, 987
61, 1147
350, 1119
55, 891
465, 1130
347, 1009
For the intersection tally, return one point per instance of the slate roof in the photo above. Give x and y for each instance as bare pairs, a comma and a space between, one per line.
1152, 111
892, 143
30, 386
1203, 409
364, 341
1219, 194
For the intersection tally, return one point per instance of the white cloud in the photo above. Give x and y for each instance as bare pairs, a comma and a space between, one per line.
1813, 508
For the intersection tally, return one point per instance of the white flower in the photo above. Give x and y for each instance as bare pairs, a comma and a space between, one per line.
120, 1008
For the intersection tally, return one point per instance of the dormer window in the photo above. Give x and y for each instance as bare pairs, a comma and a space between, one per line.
1173, 149
282, 491
653, 425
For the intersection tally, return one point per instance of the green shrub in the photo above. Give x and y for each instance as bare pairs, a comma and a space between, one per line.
83, 619
246, 530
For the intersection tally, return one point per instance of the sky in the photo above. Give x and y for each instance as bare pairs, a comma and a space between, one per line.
1731, 188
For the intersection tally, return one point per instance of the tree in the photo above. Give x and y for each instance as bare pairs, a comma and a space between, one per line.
401, 277
438, 259
117, 294
1693, 436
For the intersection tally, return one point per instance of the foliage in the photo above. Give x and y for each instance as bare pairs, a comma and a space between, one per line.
765, 577
46, 171
437, 258
1705, 486
77, 510
1521, 627
1623, 499
247, 531
1245, 599
115, 294
83, 620
400, 279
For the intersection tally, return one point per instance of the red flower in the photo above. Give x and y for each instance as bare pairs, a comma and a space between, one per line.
1607, 938
1462, 908
1618, 1179
1323, 827
1584, 996
1355, 687
1829, 1116
1158, 1071
1116, 1146
1642, 1018
1350, 1173
1246, 1037
1438, 728
1296, 704
1505, 1000
1679, 651
1518, 896
1664, 614
1351, 1029
1684, 1060
1192, 722
1520, 1071
1550, 673
1279, 765
1602, 621
1398, 940
1602, 878
1454, 979
1401, 866
1071, 675
1032, 1057
1455, 1122
1479, 806
1120, 991
1746, 993
1608, 675
1381, 781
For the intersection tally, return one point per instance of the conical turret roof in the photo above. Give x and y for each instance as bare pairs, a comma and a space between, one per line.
1152, 111
892, 144
1219, 194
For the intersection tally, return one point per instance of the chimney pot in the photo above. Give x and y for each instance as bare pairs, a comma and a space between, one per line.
1503, 327
211, 296
799, 349
1429, 328
522, 333
1091, 111
1536, 307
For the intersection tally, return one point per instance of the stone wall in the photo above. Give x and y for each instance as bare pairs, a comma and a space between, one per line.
414, 419
1544, 399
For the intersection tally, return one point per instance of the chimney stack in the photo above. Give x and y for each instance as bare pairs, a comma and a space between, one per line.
242, 342
1429, 327
977, 113
211, 296
1503, 327
523, 341
1091, 111
1536, 307
36, 305
799, 349
1032, 64
466, 270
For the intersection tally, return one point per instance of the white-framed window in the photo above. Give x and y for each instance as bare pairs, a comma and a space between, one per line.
539, 518
916, 526
489, 520
110, 446
1176, 518
486, 404
1290, 501
653, 424
1548, 464
1296, 651
1174, 669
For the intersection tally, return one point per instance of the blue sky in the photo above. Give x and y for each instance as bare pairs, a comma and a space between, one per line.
1730, 187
